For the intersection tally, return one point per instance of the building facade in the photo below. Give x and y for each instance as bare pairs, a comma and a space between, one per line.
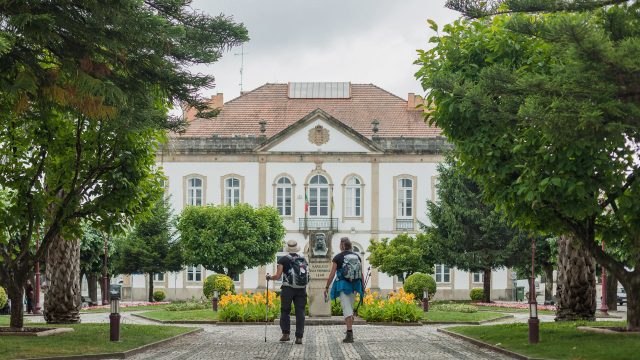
363, 159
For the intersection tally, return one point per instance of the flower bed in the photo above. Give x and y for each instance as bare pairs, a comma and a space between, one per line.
247, 307
397, 307
463, 308
515, 305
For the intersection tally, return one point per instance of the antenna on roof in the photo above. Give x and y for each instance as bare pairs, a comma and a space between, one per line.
241, 54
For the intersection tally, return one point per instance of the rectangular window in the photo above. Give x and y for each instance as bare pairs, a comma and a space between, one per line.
236, 278
283, 201
194, 191
405, 198
443, 274
194, 273
478, 277
159, 277
352, 197
324, 202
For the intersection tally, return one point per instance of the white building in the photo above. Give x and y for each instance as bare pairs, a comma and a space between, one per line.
356, 146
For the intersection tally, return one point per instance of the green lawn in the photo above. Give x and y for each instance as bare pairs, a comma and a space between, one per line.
512, 310
4, 320
129, 308
450, 316
558, 341
86, 339
187, 315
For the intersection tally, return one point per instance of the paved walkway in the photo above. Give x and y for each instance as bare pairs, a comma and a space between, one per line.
320, 342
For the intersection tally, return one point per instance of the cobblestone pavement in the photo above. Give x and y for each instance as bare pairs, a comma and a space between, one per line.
320, 342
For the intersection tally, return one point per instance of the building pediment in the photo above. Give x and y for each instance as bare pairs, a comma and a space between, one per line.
319, 132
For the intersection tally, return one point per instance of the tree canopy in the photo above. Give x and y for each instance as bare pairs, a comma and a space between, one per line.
401, 256
85, 89
230, 239
544, 113
482, 8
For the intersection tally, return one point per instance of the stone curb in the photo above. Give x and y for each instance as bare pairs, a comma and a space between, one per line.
395, 323
426, 322
485, 345
52, 331
191, 322
603, 330
122, 354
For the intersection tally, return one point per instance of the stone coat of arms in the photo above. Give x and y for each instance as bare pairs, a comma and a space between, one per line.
318, 135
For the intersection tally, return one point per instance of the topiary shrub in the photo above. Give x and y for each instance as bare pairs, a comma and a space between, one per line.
159, 295
463, 308
219, 282
416, 284
476, 294
3, 297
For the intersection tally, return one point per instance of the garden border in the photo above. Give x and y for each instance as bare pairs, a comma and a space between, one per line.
121, 354
504, 317
485, 345
189, 322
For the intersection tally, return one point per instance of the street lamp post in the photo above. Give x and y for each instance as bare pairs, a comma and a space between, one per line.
534, 322
603, 303
105, 277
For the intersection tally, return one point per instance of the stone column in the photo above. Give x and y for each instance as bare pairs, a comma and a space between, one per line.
319, 257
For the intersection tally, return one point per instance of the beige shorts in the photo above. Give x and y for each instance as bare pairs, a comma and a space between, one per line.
347, 303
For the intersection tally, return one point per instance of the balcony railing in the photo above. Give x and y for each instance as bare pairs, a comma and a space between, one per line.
313, 223
405, 225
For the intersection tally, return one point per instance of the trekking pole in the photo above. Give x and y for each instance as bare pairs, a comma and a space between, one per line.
266, 313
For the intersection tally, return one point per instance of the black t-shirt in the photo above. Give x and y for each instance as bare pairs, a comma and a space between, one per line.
285, 261
339, 259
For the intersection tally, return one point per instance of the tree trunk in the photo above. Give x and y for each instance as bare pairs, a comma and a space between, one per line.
633, 305
150, 287
576, 290
612, 292
548, 282
15, 293
92, 288
486, 282
62, 303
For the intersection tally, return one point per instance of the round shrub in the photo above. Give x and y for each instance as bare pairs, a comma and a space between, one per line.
158, 295
416, 284
219, 282
3, 297
476, 294
463, 308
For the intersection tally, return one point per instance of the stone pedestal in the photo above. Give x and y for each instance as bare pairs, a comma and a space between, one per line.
318, 255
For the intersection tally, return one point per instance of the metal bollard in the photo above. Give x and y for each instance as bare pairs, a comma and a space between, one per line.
214, 300
425, 301
114, 321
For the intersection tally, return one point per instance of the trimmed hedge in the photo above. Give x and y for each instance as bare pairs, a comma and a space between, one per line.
416, 283
463, 308
220, 282
476, 294
159, 295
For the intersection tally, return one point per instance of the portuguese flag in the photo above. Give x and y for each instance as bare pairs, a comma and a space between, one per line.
306, 203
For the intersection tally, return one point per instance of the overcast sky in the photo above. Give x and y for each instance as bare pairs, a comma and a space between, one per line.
361, 41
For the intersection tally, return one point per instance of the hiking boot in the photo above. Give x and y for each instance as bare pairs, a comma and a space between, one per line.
299, 341
285, 337
349, 337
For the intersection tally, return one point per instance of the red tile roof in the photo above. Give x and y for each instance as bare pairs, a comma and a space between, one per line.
270, 102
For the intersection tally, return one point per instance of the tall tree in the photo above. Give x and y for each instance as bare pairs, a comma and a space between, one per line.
467, 232
85, 88
150, 247
92, 243
230, 239
482, 8
401, 256
546, 120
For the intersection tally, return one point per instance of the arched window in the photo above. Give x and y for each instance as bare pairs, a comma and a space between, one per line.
232, 191
284, 196
318, 196
353, 197
195, 191
405, 198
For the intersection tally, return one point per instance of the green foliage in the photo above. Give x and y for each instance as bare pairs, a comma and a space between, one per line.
416, 283
92, 244
149, 247
250, 312
159, 295
230, 239
476, 294
3, 297
86, 92
401, 256
220, 282
462, 308
544, 113
187, 305
390, 312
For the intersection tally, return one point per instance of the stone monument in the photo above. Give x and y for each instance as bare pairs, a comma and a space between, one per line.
319, 258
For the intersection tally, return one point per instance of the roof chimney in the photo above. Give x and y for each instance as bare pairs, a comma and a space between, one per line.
216, 102
411, 101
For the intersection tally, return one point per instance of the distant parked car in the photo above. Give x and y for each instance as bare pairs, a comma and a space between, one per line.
622, 296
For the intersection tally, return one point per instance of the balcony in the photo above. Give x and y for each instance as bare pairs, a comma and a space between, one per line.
315, 223
404, 225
